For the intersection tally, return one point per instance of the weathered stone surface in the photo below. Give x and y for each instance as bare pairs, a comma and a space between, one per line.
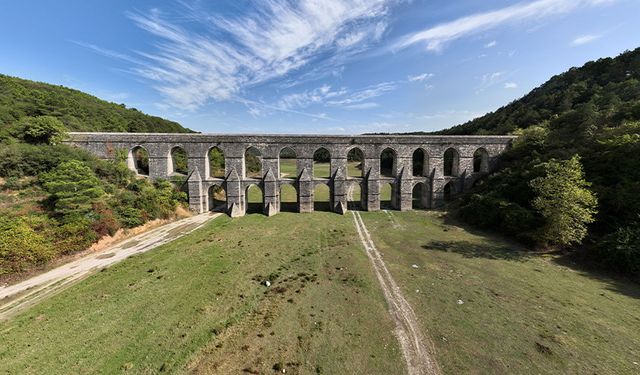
431, 178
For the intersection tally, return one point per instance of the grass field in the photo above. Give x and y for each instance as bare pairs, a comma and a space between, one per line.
320, 170
200, 304
520, 314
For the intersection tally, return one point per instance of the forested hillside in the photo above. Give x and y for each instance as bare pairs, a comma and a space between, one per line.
55, 199
76, 110
573, 177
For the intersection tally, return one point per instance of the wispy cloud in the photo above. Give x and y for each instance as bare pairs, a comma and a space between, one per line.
366, 105
436, 37
490, 79
510, 85
363, 95
491, 44
420, 77
230, 54
327, 96
585, 39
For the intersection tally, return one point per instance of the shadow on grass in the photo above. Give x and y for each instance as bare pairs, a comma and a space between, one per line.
578, 261
473, 250
581, 263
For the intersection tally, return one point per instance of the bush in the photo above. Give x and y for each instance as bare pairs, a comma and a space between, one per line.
42, 129
620, 250
73, 188
23, 242
12, 183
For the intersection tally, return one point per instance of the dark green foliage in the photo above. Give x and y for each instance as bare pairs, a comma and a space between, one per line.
141, 160
78, 111
592, 113
620, 250
287, 153
609, 88
77, 198
386, 162
355, 154
42, 129
72, 188
322, 155
253, 162
216, 163
178, 158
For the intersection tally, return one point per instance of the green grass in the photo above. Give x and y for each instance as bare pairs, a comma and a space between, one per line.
320, 170
288, 168
521, 314
199, 304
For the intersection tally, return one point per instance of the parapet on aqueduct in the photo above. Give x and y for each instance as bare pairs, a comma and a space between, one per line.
437, 179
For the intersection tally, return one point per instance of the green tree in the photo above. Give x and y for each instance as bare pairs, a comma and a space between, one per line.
43, 129
73, 187
564, 200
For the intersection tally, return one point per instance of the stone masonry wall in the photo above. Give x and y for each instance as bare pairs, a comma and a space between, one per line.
436, 186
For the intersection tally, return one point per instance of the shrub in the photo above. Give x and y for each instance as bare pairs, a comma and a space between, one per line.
22, 244
620, 250
42, 129
73, 188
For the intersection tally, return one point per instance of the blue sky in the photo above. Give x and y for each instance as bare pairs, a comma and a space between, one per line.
310, 66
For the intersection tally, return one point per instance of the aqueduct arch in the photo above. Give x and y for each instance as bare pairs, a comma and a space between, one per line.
453, 162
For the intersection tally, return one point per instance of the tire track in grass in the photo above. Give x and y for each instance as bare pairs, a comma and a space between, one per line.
418, 358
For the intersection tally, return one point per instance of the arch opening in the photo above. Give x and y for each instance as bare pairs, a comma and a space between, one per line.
215, 163
481, 161
451, 162
288, 163
420, 198
252, 163
217, 198
178, 161
138, 160
420, 162
388, 163
288, 198
354, 197
321, 198
449, 191
355, 163
386, 196
254, 199
322, 163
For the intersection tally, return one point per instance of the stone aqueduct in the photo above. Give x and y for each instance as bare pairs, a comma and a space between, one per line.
436, 185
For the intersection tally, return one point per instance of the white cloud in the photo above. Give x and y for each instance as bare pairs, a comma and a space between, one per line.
436, 37
492, 43
420, 77
584, 39
307, 98
325, 95
510, 85
365, 94
491, 78
366, 105
234, 53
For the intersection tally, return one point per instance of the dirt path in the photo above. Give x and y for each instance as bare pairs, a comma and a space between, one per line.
419, 359
17, 297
